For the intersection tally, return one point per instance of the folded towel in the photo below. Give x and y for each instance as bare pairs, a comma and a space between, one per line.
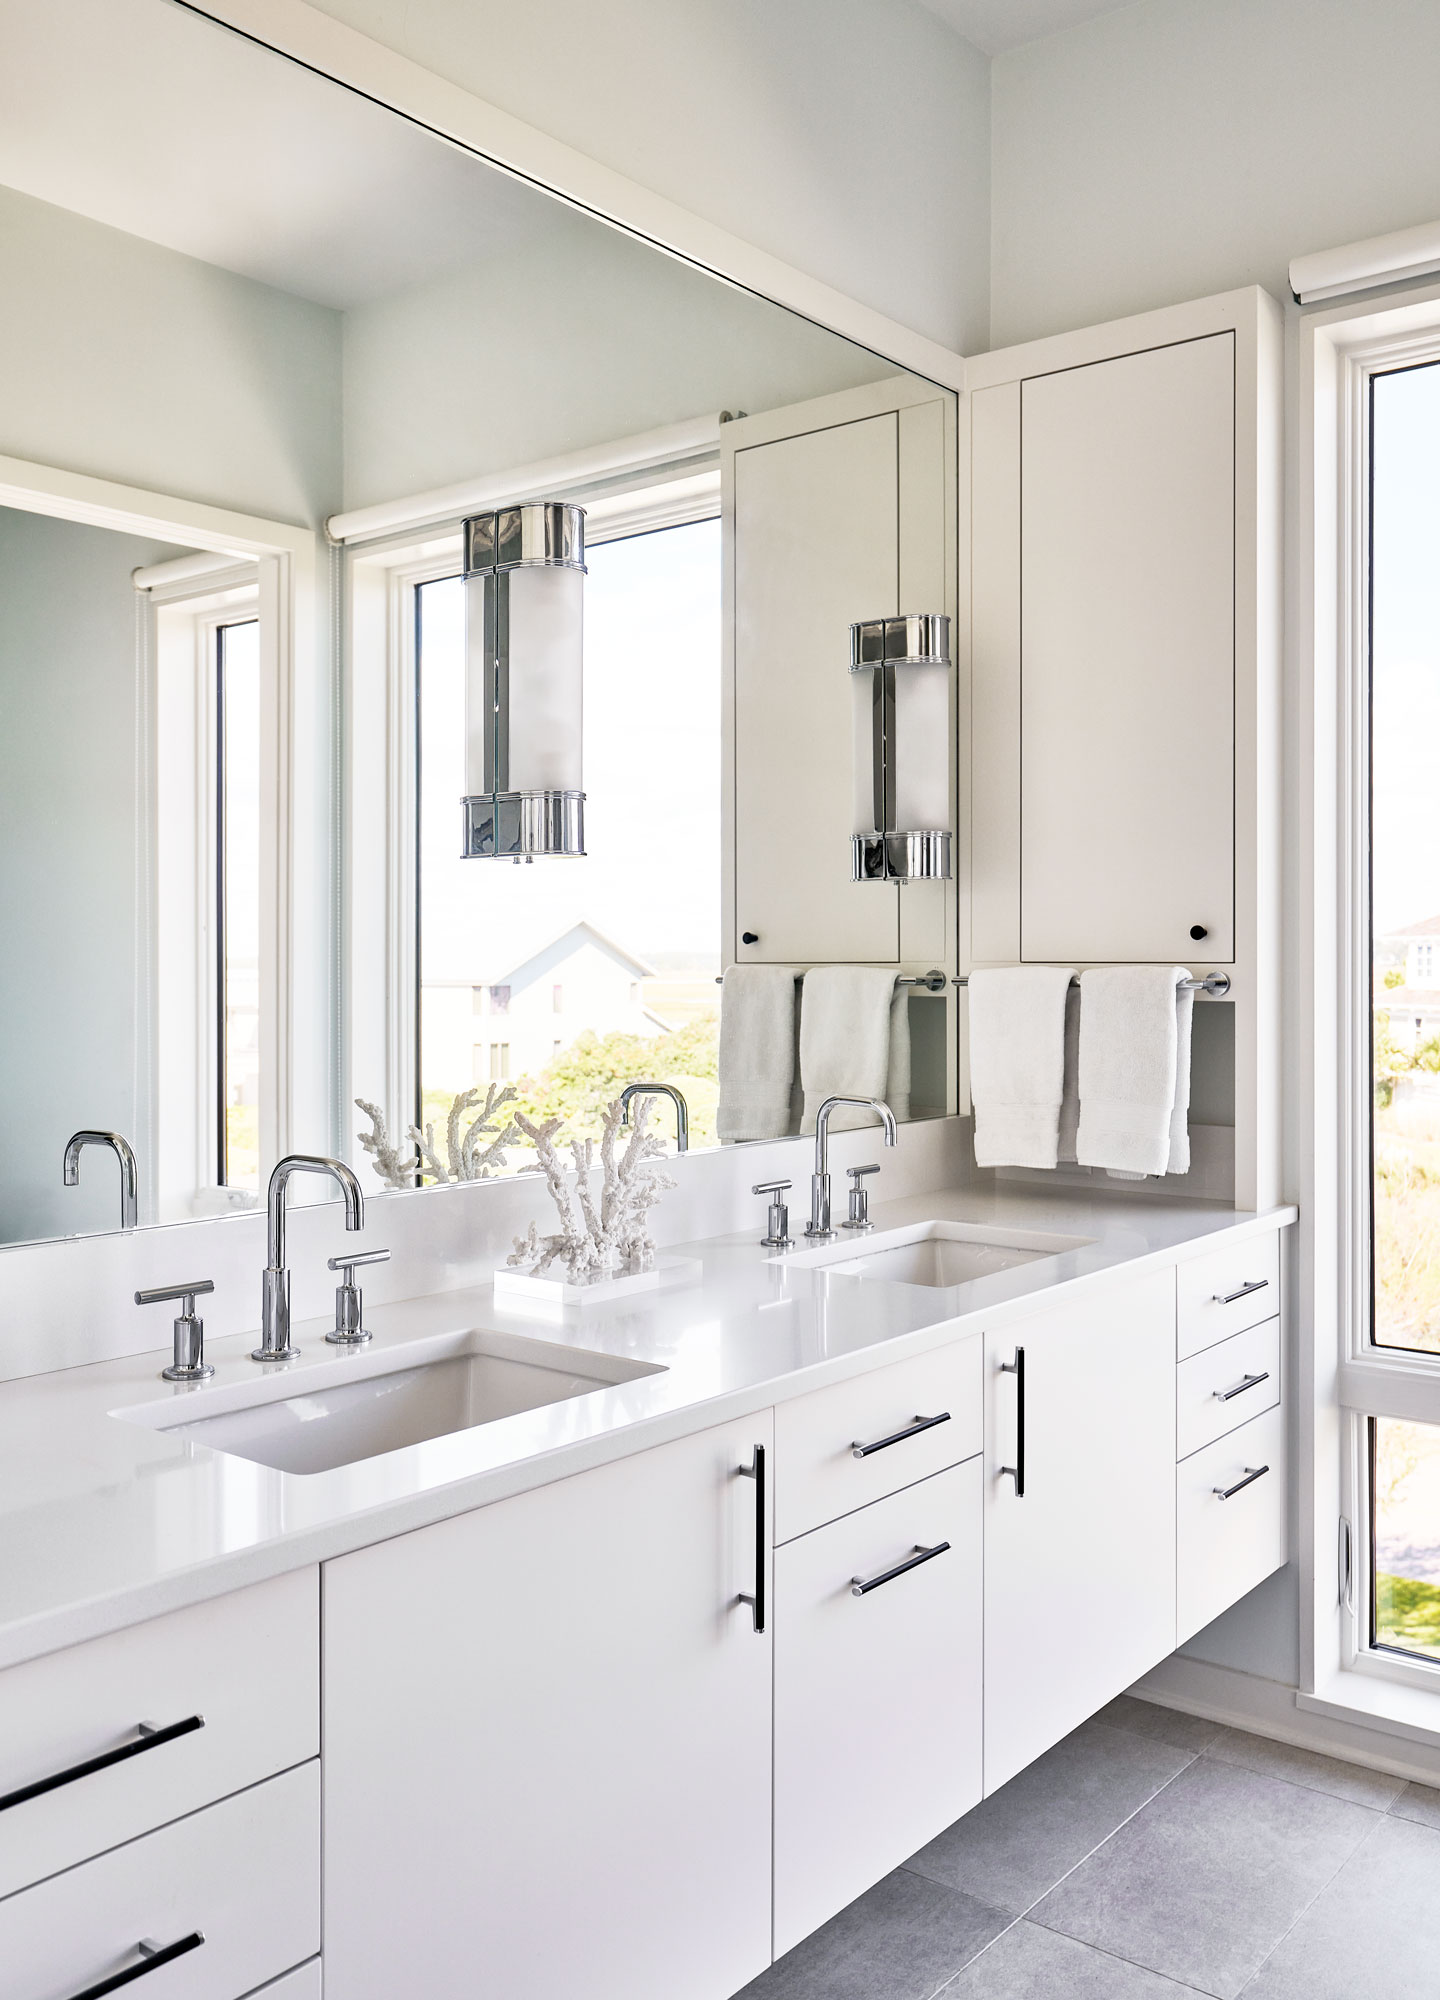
1017, 1063
757, 1052
1129, 1040
1180, 1115
897, 1083
845, 1038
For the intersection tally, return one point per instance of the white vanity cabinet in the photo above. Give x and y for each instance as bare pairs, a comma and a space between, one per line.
1080, 1568
547, 1741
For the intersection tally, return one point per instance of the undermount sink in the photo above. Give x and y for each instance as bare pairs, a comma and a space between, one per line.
939, 1254
471, 1378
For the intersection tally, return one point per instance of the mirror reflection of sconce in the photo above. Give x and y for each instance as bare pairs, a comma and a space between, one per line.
900, 677
524, 621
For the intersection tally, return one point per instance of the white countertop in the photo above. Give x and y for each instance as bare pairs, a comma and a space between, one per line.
104, 1522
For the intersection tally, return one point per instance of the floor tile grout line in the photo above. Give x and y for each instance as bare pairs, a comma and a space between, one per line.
1302, 1914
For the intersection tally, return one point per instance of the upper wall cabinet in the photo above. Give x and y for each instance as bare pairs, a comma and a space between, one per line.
1124, 785
837, 510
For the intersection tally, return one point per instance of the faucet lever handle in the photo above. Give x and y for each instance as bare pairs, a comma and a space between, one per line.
189, 1363
770, 1187
855, 1173
859, 1216
355, 1260
777, 1219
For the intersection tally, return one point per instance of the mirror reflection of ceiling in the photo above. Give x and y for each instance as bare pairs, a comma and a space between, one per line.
445, 320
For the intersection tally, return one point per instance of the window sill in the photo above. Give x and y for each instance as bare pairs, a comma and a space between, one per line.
1389, 1706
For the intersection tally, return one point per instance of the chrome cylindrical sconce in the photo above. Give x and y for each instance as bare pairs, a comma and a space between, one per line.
524, 611
900, 678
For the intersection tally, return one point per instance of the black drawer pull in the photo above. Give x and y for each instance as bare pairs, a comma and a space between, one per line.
1250, 1382
858, 1450
1017, 1470
1229, 1298
1252, 1473
860, 1585
150, 1738
155, 1955
756, 1470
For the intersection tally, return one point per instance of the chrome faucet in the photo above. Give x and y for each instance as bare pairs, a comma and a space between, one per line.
275, 1298
818, 1227
129, 1178
677, 1097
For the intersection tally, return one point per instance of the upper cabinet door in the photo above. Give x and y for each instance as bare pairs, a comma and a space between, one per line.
1127, 657
816, 547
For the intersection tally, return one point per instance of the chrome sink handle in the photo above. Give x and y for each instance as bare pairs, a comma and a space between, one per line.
189, 1364
348, 1330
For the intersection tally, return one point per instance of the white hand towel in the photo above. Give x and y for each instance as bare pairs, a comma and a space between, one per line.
897, 1083
1017, 1063
1180, 1115
1129, 1036
845, 1037
757, 1052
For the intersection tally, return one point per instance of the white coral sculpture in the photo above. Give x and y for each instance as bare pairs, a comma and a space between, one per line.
466, 1158
593, 1242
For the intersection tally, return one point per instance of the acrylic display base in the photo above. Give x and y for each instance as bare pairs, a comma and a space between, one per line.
556, 1293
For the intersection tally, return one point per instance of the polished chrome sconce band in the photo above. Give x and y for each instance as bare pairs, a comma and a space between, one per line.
916, 639
900, 857
546, 533
522, 825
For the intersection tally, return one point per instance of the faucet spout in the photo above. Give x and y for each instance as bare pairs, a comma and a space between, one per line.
129, 1175
677, 1098
818, 1228
275, 1295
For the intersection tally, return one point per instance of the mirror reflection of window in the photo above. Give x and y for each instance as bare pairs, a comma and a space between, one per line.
603, 969
237, 739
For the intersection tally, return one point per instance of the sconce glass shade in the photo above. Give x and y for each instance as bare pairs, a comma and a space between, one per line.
900, 684
524, 658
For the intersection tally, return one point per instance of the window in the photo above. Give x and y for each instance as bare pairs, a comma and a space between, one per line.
632, 906
237, 925
1405, 1537
1404, 849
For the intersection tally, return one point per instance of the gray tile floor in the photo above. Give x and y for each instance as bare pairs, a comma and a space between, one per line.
1152, 1856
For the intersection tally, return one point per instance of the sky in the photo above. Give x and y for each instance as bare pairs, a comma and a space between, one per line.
651, 876
1406, 649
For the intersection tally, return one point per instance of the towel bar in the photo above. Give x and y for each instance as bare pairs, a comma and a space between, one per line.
1214, 983
932, 982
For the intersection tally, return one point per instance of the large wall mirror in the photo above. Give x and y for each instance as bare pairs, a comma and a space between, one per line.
268, 348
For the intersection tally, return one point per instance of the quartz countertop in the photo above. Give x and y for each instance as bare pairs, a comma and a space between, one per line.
104, 1521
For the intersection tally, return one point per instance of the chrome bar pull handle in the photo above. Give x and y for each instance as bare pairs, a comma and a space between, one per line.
152, 1957
1229, 1298
861, 1586
858, 1450
1252, 1473
1248, 1382
756, 1470
1017, 1470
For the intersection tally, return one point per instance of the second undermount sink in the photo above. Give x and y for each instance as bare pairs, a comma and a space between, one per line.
380, 1402
939, 1254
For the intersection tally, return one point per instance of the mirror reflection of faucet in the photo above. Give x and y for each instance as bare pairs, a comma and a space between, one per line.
818, 1227
677, 1097
129, 1178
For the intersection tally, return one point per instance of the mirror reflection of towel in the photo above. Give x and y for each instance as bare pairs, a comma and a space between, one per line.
757, 1053
846, 1014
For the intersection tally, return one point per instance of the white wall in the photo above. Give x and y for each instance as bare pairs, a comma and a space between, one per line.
69, 1053
130, 362
1181, 147
850, 137
571, 336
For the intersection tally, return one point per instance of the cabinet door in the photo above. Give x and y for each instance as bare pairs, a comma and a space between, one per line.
1127, 650
816, 547
1080, 1572
547, 1742
877, 1697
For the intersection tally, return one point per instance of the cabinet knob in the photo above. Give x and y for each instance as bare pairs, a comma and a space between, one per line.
1198, 931
749, 937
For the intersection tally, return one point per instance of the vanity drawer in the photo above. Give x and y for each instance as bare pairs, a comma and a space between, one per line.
247, 1665
301, 1984
817, 1474
878, 1697
1225, 1291
1225, 1547
244, 1875
1226, 1385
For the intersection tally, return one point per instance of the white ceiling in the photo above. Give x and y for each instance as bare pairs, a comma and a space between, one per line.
997, 25
138, 114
